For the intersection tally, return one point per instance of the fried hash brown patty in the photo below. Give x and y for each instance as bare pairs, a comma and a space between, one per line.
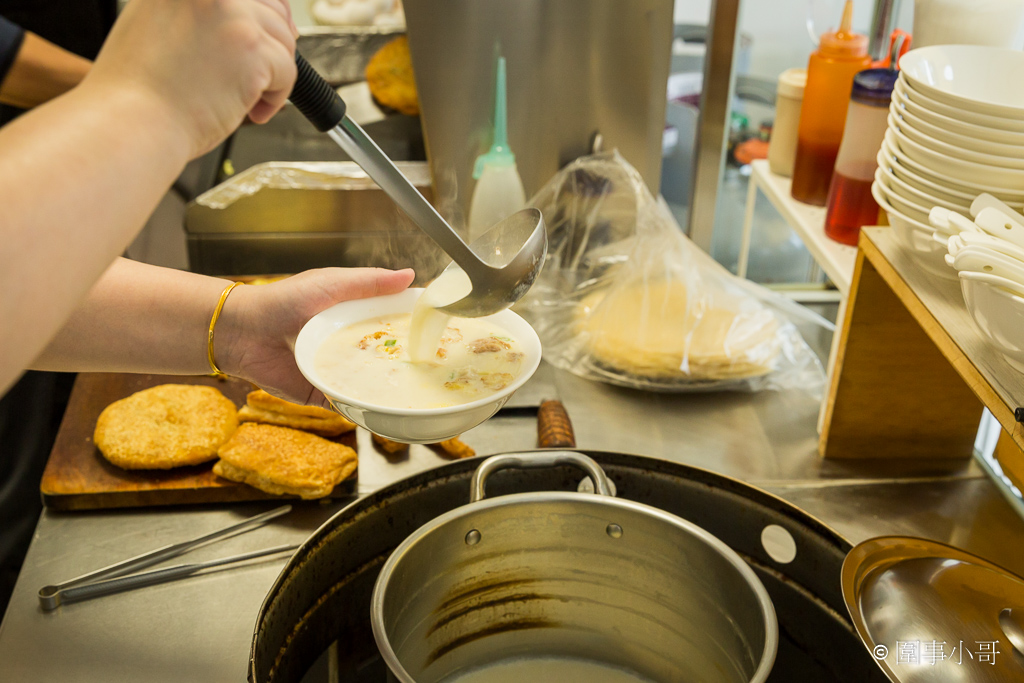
280, 460
390, 77
263, 407
166, 426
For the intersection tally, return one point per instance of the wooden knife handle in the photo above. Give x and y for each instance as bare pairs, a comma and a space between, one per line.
554, 429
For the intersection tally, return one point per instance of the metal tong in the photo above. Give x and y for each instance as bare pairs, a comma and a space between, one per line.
118, 577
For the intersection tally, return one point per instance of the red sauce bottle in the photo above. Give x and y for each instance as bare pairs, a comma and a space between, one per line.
850, 204
830, 71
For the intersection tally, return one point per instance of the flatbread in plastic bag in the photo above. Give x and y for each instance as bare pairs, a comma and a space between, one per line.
624, 297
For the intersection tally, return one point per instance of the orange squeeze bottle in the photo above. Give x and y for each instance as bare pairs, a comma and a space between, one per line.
830, 73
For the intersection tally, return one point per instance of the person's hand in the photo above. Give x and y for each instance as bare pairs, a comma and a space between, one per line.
204, 64
256, 332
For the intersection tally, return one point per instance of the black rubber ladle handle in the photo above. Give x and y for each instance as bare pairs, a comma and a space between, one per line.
315, 97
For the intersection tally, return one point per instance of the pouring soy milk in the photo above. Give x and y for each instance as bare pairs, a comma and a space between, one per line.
429, 323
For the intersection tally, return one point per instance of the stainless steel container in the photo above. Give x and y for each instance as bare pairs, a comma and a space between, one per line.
284, 217
541, 575
576, 68
340, 53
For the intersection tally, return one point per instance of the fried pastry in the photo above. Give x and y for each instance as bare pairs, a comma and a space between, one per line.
284, 461
387, 445
166, 426
263, 407
456, 448
390, 77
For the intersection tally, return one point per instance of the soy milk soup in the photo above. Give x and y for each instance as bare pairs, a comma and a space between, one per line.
463, 359
547, 670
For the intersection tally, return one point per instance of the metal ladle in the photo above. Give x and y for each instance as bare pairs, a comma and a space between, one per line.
501, 264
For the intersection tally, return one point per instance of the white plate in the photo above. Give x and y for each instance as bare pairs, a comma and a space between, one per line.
973, 77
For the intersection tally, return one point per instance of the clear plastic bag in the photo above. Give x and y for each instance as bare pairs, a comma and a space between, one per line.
624, 297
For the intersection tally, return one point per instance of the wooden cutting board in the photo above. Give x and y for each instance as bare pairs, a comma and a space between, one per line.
78, 477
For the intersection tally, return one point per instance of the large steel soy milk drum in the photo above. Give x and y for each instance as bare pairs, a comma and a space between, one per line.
566, 586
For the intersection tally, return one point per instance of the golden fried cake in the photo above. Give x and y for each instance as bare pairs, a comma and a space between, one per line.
387, 445
166, 426
263, 407
284, 461
456, 448
390, 78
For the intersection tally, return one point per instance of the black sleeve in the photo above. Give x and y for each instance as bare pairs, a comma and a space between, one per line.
11, 36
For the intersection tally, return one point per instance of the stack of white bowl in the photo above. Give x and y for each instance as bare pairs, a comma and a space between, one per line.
956, 130
987, 254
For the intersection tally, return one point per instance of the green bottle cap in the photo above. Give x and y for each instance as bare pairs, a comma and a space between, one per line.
499, 154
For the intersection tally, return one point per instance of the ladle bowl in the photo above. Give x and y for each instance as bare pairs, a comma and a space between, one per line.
501, 265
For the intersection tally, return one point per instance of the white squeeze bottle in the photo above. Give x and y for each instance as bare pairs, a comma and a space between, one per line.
499, 190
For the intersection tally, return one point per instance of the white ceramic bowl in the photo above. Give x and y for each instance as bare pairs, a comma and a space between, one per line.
404, 424
908, 208
897, 186
944, 180
967, 154
998, 314
1015, 125
916, 238
957, 125
959, 169
909, 122
887, 162
972, 77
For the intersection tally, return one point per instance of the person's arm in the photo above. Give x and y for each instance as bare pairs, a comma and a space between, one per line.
39, 72
80, 174
141, 318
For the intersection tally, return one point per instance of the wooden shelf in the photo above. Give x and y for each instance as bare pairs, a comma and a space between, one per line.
807, 221
912, 372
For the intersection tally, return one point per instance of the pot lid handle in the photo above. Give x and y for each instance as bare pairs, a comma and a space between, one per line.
536, 460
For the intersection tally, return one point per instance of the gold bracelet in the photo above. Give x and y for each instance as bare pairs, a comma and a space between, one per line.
213, 323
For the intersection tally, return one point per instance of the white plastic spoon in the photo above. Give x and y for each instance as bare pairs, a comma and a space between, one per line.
995, 281
962, 224
983, 239
984, 260
985, 201
998, 224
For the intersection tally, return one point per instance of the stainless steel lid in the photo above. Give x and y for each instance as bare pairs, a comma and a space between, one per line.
930, 612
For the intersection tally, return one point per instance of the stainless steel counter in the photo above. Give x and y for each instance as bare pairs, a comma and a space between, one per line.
199, 629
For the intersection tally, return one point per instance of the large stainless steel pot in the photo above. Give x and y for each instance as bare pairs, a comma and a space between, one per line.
314, 625
516, 582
